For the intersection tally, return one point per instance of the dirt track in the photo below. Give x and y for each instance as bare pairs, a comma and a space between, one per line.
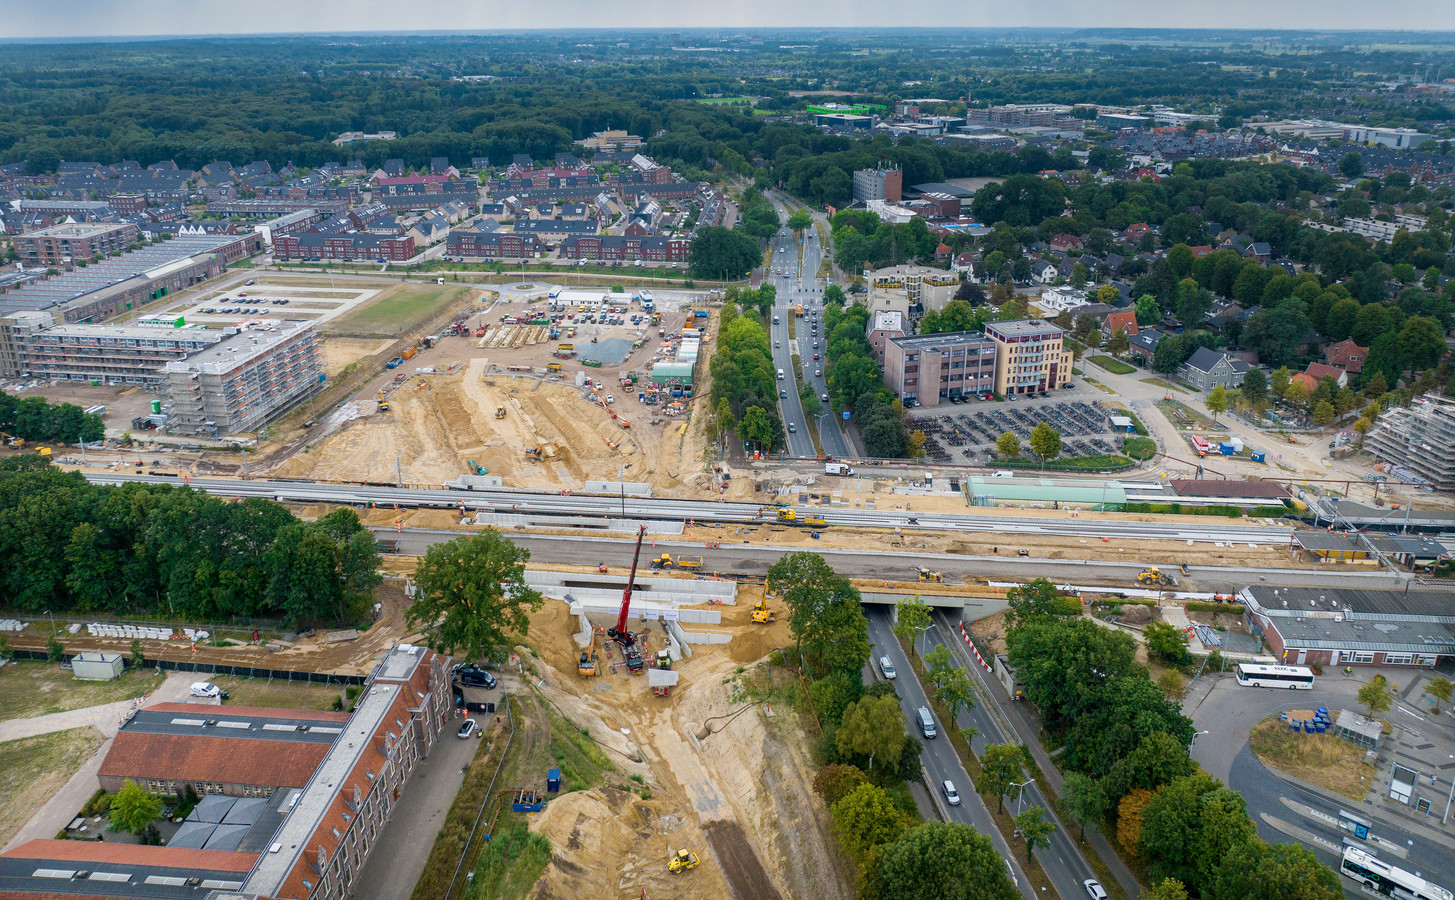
745, 874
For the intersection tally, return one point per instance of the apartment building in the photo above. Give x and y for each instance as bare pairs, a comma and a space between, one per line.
58, 246
478, 243
925, 369
884, 324
32, 345
1420, 438
879, 184
241, 384
1031, 356
652, 248
347, 246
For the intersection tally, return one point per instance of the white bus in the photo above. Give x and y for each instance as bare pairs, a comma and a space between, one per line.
1368, 870
1297, 677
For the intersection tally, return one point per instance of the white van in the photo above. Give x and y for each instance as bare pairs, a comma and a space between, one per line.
1003, 473
886, 668
926, 722
780, 374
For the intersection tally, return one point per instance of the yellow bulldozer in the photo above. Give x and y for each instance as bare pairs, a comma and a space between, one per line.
1154, 575
682, 861
927, 575
762, 615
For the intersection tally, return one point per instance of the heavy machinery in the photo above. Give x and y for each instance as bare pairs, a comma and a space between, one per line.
1154, 575
628, 640
927, 575
383, 405
682, 861
664, 660
499, 412
587, 666
476, 468
1183, 569
762, 615
547, 450
665, 561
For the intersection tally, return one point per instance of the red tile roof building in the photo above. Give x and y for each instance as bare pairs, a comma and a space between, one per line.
1346, 355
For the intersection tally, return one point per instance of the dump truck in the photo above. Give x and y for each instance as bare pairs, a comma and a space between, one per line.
665, 561
682, 861
1154, 575
762, 615
927, 575
499, 412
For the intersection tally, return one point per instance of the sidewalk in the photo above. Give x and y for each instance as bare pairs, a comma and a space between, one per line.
61, 808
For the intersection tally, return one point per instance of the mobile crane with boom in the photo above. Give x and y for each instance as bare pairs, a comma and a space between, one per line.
629, 642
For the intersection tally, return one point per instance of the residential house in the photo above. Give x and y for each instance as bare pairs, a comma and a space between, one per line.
1346, 355
942, 252
1066, 243
964, 264
1043, 271
1308, 381
1317, 371
1121, 320
1143, 346
1133, 233
1206, 369
1259, 250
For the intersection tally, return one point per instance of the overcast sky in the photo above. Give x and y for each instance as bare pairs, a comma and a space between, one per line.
77, 18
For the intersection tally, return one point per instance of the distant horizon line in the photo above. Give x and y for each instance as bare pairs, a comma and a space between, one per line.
1269, 30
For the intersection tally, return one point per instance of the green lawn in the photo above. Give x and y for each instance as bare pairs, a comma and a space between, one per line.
37, 689
278, 694
32, 770
1114, 366
400, 309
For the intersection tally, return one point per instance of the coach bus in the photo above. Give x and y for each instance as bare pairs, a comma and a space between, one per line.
1380, 876
1296, 677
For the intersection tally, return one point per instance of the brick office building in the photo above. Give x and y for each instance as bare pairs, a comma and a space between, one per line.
924, 369
58, 246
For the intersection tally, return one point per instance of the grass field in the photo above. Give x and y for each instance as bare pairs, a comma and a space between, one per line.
34, 768
280, 694
1114, 366
37, 689
1322, 759
399, 309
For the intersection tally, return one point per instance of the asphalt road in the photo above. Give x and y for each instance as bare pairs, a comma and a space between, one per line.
799, 284
1227, 712
939, 759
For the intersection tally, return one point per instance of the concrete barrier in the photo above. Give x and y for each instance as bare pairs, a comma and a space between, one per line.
613, 526
706, 637
617, 488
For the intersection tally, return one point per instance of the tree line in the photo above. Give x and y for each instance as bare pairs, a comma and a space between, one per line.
856, 383
744, 379
1125, 751
34, 419
70, 546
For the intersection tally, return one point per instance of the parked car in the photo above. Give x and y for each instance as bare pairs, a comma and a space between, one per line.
467, 729
207, 689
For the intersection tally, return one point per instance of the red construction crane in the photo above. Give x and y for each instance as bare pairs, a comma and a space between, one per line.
620, 633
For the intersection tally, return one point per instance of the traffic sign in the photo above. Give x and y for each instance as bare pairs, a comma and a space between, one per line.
846, 415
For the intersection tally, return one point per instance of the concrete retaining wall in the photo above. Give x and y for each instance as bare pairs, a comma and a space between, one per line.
475, 483
706, 637
614, 526
617, 488
655, 588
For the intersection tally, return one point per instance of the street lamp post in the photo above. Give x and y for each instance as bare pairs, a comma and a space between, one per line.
1193, 742
1019, 794
919, 632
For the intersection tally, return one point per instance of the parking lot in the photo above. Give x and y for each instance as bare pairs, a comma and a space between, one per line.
967, 434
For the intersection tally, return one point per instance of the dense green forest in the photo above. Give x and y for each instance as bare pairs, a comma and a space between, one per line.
285, 99
70, 546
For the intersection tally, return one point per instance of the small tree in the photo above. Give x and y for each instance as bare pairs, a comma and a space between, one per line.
1118, 343
1323, 413
1376, 696
1000, 767
55, 651
1439, 688
138, 653
1045, 442
872, 727
1172, 684
1083, 799
912, 615
1008, 445
133, 809
956, 691
1035, 828
1167, 643
937, 662
1217, 402
1255, 387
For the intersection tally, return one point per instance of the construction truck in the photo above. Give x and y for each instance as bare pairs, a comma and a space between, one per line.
785, 514
665, 561
762, 615
499, 412
1154, 575
684, 860
553, 367
664, 660
813, 521
927, 575
586, 666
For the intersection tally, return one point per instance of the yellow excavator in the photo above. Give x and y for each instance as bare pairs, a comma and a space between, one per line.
682, 861
499, 412
927, 575
762, 615
587, 666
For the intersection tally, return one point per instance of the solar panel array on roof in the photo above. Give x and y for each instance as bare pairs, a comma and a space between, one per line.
79, 282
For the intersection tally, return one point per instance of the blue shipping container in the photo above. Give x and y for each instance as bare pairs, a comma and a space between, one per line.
1226, 448
1258, 457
